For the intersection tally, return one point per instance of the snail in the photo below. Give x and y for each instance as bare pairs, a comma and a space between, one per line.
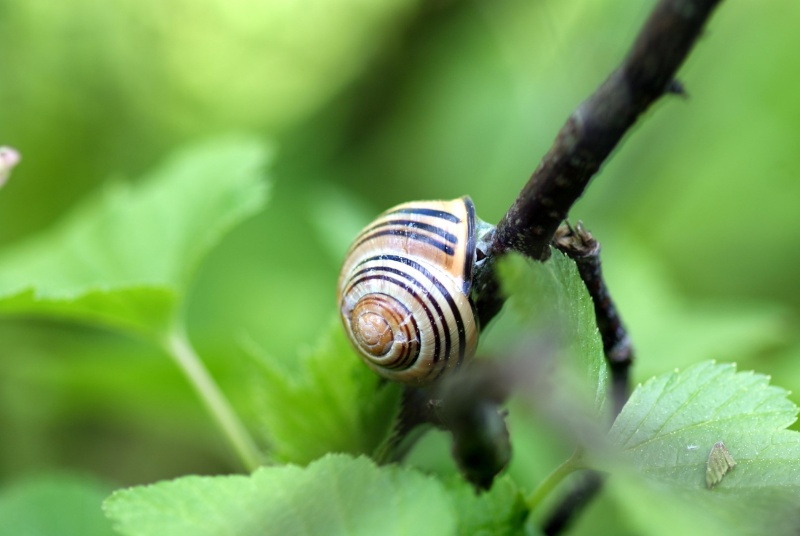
404, 289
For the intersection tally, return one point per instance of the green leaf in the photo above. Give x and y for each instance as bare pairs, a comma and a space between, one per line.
53, 505
647, 508
644, 506
329, 402
334, 495
125, 257
548, 303
500, 511
671, 423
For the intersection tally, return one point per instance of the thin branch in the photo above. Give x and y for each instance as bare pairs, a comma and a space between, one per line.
580, 246
582, 145
582, 492
589, 136
596, 127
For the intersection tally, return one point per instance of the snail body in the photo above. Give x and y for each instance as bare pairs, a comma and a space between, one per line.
404, 290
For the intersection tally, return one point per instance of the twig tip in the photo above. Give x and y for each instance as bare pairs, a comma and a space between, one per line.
676, 87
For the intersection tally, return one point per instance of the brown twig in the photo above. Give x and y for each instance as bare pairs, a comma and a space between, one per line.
593, 130
582, 492
596, 127
580, 246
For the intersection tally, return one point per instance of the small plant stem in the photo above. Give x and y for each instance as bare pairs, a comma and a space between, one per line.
574, 463
180, 349
580, 246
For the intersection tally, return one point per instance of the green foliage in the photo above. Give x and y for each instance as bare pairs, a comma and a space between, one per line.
334, 495
125, 258
55, 504
337, 495
500, 511
643, 506
671, 423
403, 100
327, 402
549, 303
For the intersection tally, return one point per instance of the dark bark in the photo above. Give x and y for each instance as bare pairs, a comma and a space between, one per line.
580, 246
582, 145
562, 516
596, 127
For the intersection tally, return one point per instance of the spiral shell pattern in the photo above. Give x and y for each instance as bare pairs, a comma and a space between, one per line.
404, 290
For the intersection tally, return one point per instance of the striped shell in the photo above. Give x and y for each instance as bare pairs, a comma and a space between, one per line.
404, 290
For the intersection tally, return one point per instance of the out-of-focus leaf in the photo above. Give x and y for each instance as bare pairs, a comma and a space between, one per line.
655, 309
636, 505
201, 66
537, 451
649, 509
785, 366
670, 424
497, 512
329, 402
54, 505
125, 258
334, 495
328, 205
249, 65
548, 305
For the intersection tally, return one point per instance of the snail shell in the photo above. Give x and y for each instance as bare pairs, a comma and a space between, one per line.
404, 290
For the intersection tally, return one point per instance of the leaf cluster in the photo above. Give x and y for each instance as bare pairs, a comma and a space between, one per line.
449, 101
327, 402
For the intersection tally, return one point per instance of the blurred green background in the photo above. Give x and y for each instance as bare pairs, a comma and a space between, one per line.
372, 103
